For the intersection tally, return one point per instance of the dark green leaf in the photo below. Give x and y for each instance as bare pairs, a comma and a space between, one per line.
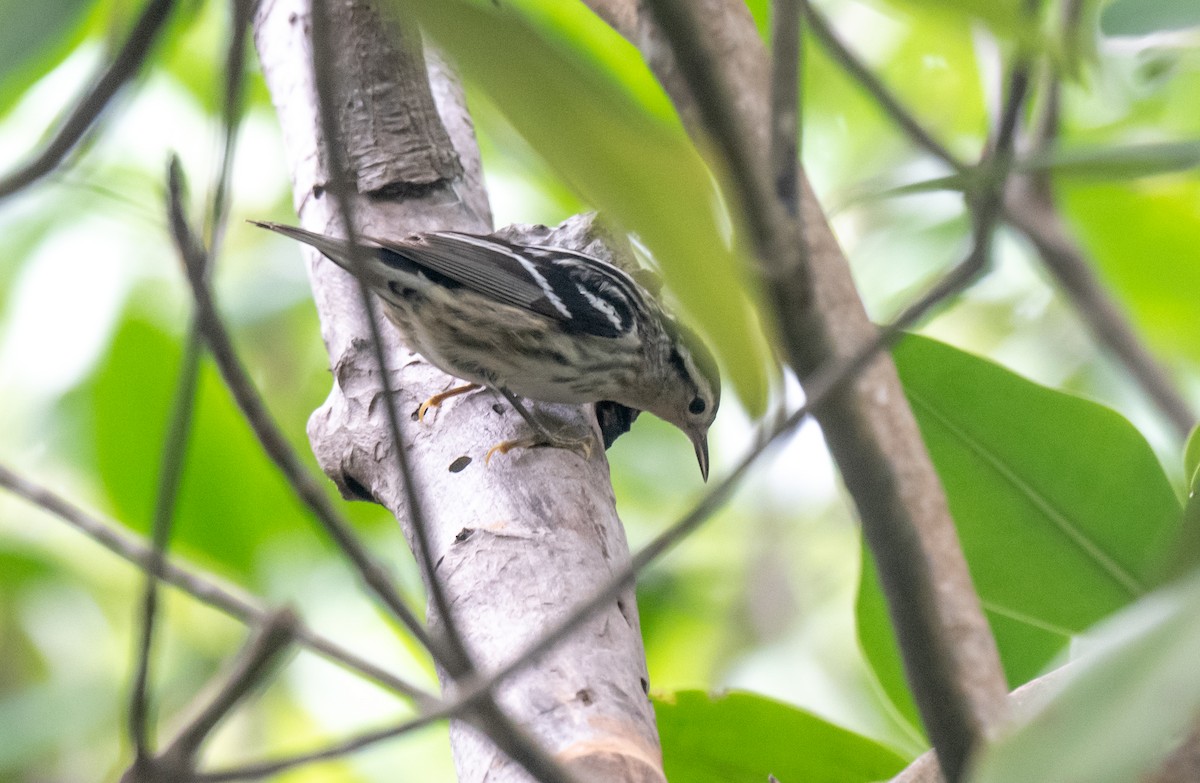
740, 737
1064, 513
584, 99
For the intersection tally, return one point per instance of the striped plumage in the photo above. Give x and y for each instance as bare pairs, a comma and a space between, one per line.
539, 322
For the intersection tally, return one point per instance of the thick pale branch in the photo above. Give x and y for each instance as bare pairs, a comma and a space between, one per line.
511, 546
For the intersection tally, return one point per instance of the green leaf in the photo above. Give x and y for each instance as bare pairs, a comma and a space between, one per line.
231, 499
1142, 238
1006, 18
1142, 17
743, 737
1125, 700
584, 99
1064, 513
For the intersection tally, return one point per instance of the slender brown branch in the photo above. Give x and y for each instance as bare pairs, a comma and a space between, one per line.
786, 121
1035, 216
1038, 219
250, 669
288, 462
876, 88
205, 588
170, 473
124, 67
450, 651
949, 653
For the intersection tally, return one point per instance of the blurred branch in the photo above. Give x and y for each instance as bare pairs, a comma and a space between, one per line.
280, 451
949, 654
250, 669
241, 12
170, 473
1035, 215
203, 587
1032, 212
786, 121
876, 88
449, 651
123, 67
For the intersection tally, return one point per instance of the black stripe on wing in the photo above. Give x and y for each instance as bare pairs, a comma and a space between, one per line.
583, 294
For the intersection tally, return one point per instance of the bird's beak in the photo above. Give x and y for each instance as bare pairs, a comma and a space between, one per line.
700, 441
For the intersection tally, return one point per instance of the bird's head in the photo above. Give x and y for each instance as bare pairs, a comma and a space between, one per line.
691, 390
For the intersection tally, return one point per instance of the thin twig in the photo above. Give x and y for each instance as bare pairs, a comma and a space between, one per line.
170, 472
241, 13
123, 68
452, 654
250, 669
288, 462
205, 588
882, 95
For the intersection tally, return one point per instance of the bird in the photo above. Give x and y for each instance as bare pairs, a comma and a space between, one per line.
536, 322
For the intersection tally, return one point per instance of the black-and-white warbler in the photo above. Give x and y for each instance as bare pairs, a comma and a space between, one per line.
534, 321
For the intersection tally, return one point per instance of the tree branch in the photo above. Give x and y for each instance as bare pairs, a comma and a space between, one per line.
949, 653
205, 588
123, 68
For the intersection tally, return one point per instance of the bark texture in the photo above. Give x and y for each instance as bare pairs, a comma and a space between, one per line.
516, 543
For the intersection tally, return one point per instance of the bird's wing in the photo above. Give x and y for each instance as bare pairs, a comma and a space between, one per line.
585, 295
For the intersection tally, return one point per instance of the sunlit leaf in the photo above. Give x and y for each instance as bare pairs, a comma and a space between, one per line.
1064, 513
1142, 238
1126, 699
584, 99
744, 737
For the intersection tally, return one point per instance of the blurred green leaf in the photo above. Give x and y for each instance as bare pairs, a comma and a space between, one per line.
34, 38
1006, 18
1064, 513
1142, 237
1142, 17
44, 718
584, 99
743, 737
1124, 701
1116, 162
232, 500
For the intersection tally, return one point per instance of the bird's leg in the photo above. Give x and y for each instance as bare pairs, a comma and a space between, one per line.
542, 436
438, 399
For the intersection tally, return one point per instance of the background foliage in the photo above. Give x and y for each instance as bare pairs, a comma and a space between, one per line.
1066, 486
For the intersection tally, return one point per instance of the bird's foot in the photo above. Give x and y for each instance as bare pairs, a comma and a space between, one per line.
437, 399
543, 439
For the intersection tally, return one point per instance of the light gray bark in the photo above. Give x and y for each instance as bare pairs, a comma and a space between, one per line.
518, 542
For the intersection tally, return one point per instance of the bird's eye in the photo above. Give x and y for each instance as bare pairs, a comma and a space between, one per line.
697, 406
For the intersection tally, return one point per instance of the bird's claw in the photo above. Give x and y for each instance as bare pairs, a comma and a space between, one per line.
582, 447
